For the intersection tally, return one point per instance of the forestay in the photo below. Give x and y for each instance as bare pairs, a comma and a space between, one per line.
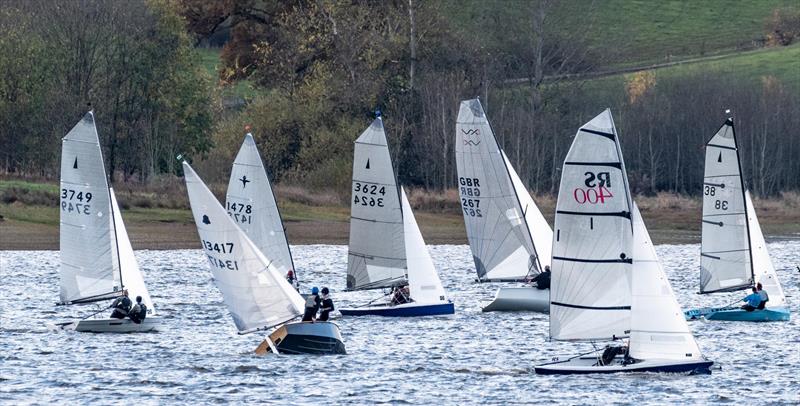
252, 206
89, 263
256, 294
423, 280
658, 327
377, 255
725, 249
132, 278
763, 269
590, 296
498, 233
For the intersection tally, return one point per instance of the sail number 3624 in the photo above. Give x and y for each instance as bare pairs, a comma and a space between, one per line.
367, 195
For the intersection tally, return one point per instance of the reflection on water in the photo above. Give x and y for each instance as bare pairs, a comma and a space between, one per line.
470, 357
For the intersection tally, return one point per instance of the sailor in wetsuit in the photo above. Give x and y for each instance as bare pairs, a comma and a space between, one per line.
543, 279
139, 311
121, 306
327, 305
764, 296
312, 305
752, 301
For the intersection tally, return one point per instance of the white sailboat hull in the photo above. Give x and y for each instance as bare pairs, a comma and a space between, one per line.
589, 365
520, 299
150, 324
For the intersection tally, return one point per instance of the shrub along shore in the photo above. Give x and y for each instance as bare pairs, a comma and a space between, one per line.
158, 216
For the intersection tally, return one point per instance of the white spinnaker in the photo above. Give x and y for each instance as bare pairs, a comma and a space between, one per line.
377, 254
540, 231
132, 278
423, 280
89, 263
658, 326
256, 293
590, 295
762, 264
251, 203
499, 238
725, 248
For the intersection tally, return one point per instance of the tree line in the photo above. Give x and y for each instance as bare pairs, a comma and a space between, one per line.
326, 66
322, 68
131, 61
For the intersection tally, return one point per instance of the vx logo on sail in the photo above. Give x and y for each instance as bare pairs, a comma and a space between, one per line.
473, 131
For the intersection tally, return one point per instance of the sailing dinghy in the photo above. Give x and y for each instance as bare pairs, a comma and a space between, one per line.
734, 254
607, 282
251, 204
97, 260
386, 247
508, 235
258, 297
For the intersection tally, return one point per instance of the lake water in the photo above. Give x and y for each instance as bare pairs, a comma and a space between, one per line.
467, 358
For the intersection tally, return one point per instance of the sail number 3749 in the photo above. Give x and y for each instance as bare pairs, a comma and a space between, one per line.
76, 201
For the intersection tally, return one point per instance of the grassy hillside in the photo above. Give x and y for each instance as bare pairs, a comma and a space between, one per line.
636, 31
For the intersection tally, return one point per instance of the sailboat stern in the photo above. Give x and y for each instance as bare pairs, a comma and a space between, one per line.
319, 338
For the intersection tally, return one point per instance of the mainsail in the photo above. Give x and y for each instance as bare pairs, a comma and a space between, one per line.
255, 292
763, 269
491, 201
377, 253
658, 326
725, 262
252, 206
590, 295
131, 275
89, 258
423, 280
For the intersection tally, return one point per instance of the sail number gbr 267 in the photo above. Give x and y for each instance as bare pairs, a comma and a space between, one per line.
365, 194
470, 192
221, 248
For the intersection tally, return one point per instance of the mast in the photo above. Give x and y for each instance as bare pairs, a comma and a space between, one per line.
729, 121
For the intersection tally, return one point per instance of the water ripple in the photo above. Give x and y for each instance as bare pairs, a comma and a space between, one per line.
467, 358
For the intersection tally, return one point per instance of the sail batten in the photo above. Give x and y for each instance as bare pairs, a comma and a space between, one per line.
592, 253
508, 236
377, 252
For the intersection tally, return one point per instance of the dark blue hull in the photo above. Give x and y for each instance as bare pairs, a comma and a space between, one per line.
406, 310
702, 367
